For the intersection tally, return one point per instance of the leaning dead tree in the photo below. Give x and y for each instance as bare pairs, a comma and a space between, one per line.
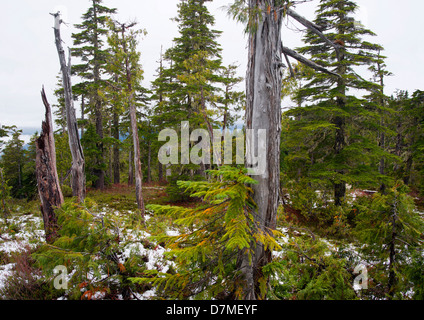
78, 161
46, 172
263, 112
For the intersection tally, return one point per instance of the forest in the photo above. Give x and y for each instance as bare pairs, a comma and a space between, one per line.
201, 186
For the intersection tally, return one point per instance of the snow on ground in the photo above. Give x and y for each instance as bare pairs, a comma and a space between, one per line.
27, 230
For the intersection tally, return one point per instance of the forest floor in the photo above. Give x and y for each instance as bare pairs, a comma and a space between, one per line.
24, 229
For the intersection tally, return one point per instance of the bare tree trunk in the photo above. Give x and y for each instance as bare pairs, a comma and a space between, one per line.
137, 161
78, 162
134, 130
47, 178
263, 112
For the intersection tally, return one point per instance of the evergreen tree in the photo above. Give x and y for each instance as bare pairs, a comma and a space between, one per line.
331, 152
19, 166
194, 64
129, 73
89, 46
392, 231
206, 254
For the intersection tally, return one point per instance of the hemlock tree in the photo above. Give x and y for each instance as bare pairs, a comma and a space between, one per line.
334, 111
89, 46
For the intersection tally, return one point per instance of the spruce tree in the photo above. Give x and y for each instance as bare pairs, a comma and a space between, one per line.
89, 46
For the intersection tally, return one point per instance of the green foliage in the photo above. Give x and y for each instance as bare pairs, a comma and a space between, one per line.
391, 230
89, 245
19, 166
328, 136
4, 195
415, 275
212, 237
92, 154
178, 193
309, 269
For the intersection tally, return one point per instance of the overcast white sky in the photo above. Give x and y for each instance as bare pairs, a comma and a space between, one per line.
28, 56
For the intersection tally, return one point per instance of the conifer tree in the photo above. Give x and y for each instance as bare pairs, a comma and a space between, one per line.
89, 46
392, 231
188, 83
12, 161
334, 113
128, 71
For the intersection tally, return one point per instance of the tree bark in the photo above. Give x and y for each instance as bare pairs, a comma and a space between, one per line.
78, 161
137, 161
263, 111
47, 178
134, 130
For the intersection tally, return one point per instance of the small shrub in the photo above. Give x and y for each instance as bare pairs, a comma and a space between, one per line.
27, 282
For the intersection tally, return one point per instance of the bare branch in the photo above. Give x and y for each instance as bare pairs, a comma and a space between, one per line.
307, 62
315, 29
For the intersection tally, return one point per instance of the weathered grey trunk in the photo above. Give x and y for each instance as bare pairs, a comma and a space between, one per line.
48, 184
134, 129
263, 111
78, 162
137, 161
